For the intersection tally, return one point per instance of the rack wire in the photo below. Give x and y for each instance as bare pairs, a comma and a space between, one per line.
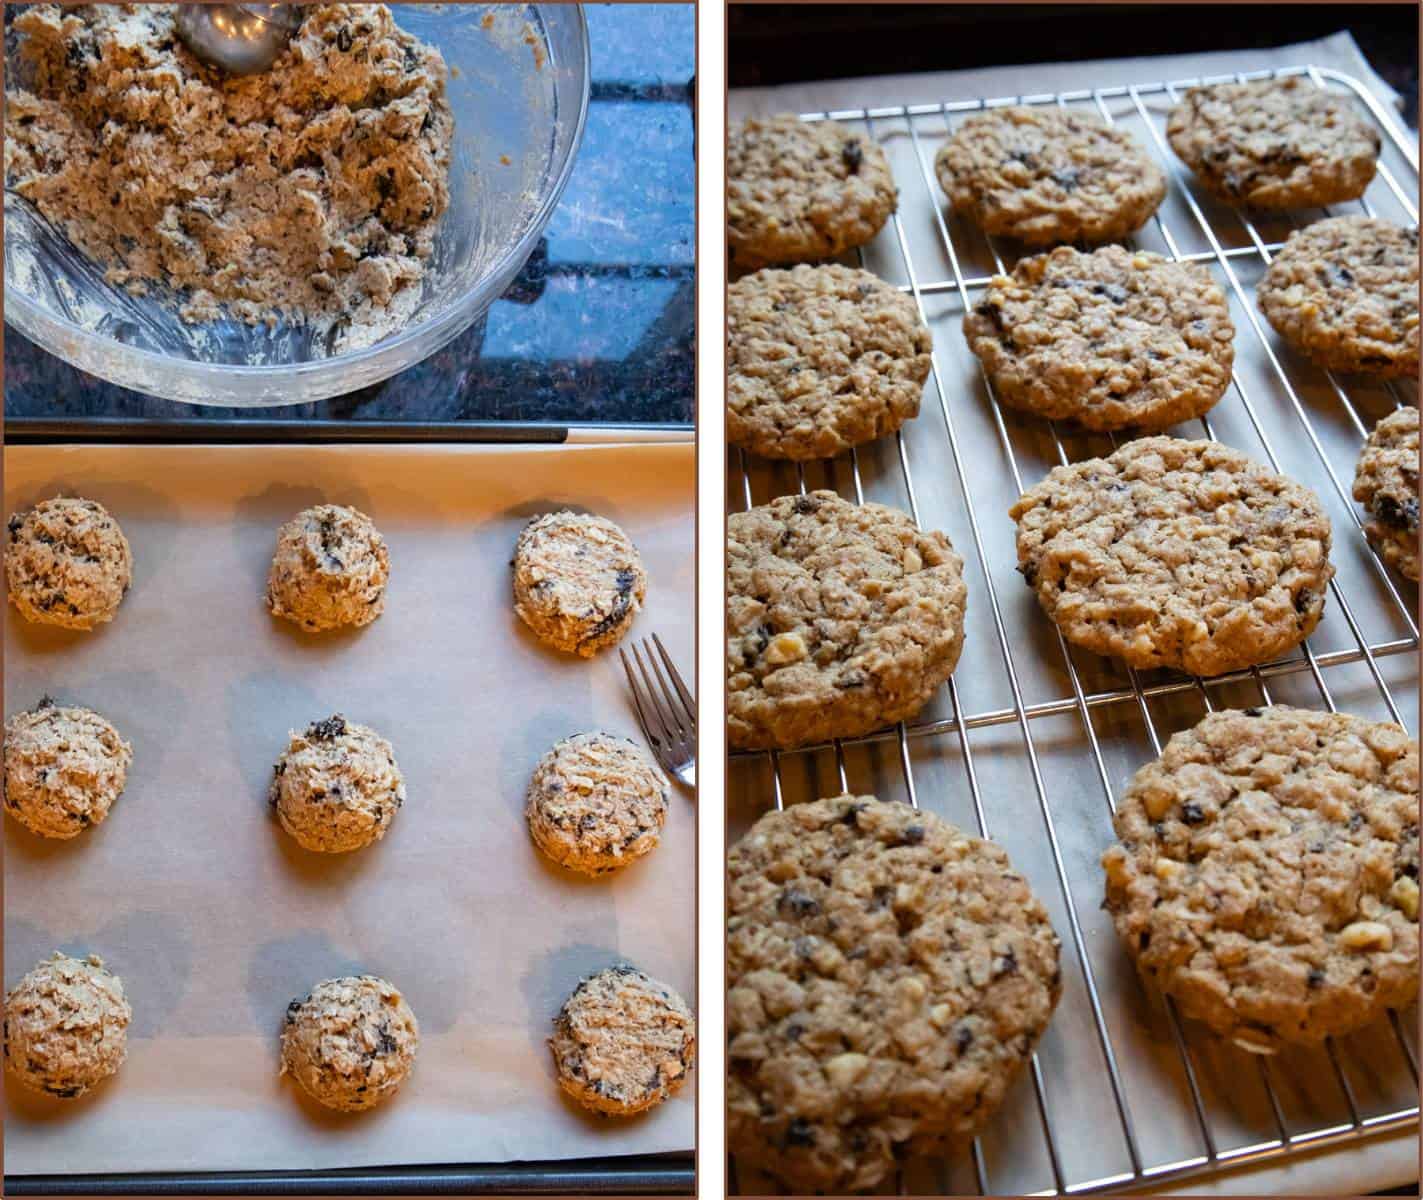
1355, 1088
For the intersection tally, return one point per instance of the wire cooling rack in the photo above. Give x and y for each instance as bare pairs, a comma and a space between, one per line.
1031, 742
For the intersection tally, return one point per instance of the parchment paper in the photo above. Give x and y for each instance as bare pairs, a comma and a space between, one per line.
1090, 1140
215, 919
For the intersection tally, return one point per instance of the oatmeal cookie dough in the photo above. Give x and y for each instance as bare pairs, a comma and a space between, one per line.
1176, 553
329, 571
797, 191
1046, 175
578, 581
623, 1042
1266, 873
1274, 143
351, 1043
1111, 339
336, 787
66, 1026
1386, 484
841, 619
888, 976
311, 191
64, 768
820, 359
1344, 292
68, 563
596, 803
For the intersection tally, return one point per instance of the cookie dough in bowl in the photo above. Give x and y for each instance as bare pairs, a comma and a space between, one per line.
329, 571
66, 1026
67, 563
64, 768
336, 787
578, 581
623, 1042
351, 1043
596, 803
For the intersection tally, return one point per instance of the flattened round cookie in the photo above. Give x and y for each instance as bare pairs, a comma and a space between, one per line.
888, 975
797, 191
68, 563
1386, 484
351, 1042
623, 1042
842, 619
1046, 175
1266, 873
820, 359
66, 1026
596, 803
1175, 553
1274, 143
330, 569
1344, 292
578, 581
1111, 339
64, 768
336, 787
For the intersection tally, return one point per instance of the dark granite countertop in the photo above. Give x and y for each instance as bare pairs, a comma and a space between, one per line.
599, 325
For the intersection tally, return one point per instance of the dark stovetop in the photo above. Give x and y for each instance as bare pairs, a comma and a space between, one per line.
599, 325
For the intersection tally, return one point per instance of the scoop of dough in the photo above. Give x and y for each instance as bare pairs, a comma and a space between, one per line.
351, 1042
64, 768
337, 786
330, 569
66, 1026
68, 563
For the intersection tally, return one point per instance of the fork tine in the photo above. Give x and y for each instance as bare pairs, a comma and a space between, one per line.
665, 706
636, 688
669, 709
688, 704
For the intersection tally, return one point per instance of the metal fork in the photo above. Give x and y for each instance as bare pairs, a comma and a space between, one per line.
666, 711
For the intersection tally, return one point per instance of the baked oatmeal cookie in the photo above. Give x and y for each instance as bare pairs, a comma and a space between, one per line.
66, 1026
820, 359
1266, 873
336, 786
623, 1042
351, 1043
1344, 292
330, 569
888, 976
797, 191
1046, 175
1274, 143
1111, 339
578, 581
64, 768
842, 619
1386, 484
596, 803
311, 191
68, 563
1176, 553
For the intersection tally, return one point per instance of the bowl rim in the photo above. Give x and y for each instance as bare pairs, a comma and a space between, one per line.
31, 316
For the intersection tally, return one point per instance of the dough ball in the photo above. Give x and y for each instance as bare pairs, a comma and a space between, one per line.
336, 787
330, 569
351, 1043
68, 563
64, 768
596, 803
578, 581
66, 1026
623, 1042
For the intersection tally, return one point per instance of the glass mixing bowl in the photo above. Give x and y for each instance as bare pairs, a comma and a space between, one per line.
519, 91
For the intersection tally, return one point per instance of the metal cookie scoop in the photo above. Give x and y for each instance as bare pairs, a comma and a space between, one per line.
241, 39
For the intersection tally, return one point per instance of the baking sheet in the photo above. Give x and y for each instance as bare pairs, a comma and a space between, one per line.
1078, 1100
215, 919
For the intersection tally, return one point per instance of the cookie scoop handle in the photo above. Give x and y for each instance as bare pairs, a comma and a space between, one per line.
241, 39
